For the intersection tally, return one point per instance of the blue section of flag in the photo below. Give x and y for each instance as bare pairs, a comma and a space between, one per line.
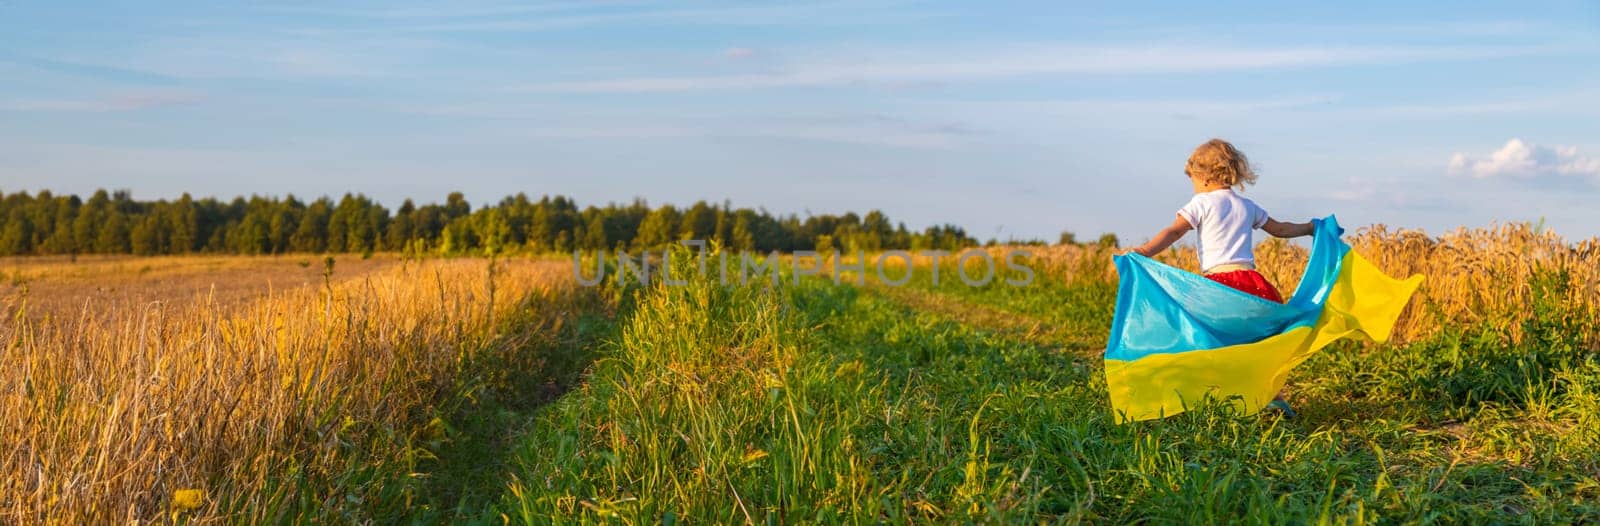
1161, 309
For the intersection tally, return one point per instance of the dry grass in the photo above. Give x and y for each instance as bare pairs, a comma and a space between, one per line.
59, 285
112, 416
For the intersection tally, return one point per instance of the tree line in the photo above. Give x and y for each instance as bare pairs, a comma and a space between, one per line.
115, 223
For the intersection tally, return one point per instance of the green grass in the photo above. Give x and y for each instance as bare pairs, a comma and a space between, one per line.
831, 403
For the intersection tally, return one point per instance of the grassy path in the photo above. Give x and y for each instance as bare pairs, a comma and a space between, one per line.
853, 407
1013, 325
497, 404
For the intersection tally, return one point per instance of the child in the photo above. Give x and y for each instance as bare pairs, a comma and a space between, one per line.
1224, 221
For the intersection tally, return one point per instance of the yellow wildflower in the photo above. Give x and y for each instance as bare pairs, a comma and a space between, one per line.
188, 499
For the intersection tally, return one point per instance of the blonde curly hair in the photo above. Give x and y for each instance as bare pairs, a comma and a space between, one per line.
1217, 161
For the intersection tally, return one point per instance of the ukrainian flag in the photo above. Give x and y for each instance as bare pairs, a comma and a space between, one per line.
1179, 338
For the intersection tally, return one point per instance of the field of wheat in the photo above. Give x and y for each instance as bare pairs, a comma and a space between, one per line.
243, 389
295, 389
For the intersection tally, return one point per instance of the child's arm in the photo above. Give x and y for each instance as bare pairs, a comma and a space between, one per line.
1282, 229
1165, 238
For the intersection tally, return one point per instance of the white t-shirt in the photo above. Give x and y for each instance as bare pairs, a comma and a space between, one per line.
1223, 221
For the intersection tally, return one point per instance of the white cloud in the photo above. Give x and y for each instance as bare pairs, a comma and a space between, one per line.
1165, 107
1566, 102
126, 101
561, 16
1527, 161
737, 53
1374, 191
442, 11
864, 130
1020, 61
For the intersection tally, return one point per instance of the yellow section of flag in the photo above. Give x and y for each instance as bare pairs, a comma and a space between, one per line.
1363, 302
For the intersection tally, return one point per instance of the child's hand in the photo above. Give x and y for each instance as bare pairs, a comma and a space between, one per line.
1282, 229
1165, 238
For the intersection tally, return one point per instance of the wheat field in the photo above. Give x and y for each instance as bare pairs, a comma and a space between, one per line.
143, 403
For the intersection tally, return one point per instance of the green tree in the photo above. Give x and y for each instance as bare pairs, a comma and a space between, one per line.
399, 232
147, 236
658, 229
91, 216
311, 234
698, 222
114, 222
58, 239
456, 206
184, 222
113, 237
17, 234
743, 239
594, 235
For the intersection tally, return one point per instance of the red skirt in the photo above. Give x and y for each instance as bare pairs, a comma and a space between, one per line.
1248, 281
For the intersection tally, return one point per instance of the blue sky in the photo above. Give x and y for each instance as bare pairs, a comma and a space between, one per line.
1009, 118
